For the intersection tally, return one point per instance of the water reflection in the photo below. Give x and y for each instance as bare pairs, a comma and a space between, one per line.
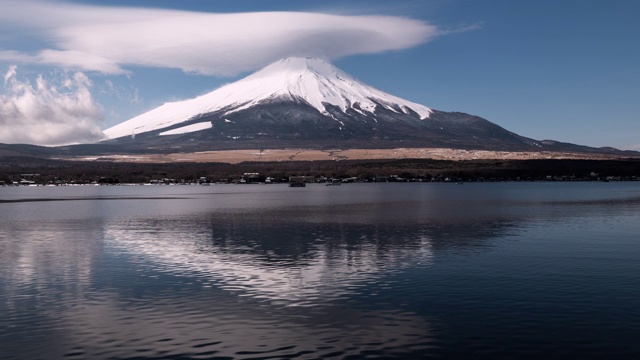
200, 326
229, 285
46, 270
245, 284
309, 278
297, 263
38, 256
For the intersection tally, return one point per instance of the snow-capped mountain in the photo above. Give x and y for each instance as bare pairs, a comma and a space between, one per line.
305, 102
302, 80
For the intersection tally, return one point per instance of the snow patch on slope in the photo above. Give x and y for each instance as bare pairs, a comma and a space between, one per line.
188, 129
309, 80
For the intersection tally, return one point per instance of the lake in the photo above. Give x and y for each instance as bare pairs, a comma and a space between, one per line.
397, 270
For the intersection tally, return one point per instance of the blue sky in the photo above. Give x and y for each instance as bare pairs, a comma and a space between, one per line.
565, 70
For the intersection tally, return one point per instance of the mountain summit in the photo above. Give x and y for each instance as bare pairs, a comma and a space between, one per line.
307, 102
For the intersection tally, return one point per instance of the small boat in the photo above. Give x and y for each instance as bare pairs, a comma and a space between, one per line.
333, 184
297, 184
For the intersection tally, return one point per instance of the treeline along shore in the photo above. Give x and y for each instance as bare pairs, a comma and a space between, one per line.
46, 171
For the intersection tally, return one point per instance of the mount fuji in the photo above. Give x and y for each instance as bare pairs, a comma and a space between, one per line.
308, 102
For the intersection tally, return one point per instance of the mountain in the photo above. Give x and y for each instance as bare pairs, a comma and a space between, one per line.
302, 81
306, 102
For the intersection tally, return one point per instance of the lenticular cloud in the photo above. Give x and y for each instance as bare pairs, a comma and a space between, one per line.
107, 39
48, 113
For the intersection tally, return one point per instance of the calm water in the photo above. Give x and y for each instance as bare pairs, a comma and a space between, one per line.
499, 270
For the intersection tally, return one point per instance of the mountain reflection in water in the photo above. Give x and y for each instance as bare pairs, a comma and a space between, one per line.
400, 273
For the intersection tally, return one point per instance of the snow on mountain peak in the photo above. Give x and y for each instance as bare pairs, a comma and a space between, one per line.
316, 82
309, 80
298, 65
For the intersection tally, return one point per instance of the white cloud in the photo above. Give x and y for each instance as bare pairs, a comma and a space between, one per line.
107, 39
48, 114
10, 73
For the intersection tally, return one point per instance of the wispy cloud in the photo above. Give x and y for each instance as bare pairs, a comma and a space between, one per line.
460, 29
130, 95
108, 39
62, 112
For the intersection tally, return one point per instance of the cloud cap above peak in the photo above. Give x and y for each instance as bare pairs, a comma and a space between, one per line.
108, 39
